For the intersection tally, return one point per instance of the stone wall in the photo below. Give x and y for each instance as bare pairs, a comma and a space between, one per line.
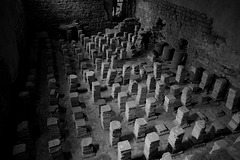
206, 47
50, 13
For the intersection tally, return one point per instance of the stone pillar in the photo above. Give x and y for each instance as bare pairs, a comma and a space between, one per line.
168, 52
106, 113
130, 112
186, 97
157, 70
180, 75
122, 99
96, 94
206, 80
104, 69
150, 107
151, 145
116, 88
115, 132
169, 103
142, 94
175, 137
151, 83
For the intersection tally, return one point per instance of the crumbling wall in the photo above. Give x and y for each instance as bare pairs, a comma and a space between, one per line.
50, 13
209, 45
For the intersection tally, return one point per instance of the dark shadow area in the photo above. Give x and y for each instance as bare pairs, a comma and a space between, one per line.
129, 137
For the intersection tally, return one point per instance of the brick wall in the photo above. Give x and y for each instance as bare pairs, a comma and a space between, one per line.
50, 13
206, 48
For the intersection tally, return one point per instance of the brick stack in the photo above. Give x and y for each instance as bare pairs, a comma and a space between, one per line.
79, 53
116, 88
113, 62
169, 103
96, 41
199, 129
126, 73
176, 136
142, 94
106, 116
19, 152
143, 74
108, 37
219, 88
135, 69
82, 38
168, 52
130, 112
123, 53
52, 124
157, 70
166, 156
109, 53
111, 75
194, 87
182, 115
159, 91
206, 80
115, 132
232, 100
85, 41
23, 133
96, 94
122, 99
151, 145
81, 127
77, 113
161, 129
74, 99
124, 150
186, 97
112, 43
180, 75
133, 87
175, 90
104, 70
234, 123
150, 107
94, 54
151, 83
55, 149
90, 78
87, 147
177, 58
98, 64
195, 74
140, 127
93, 38
91, 45
117, 51
102, 41
104, 51
165, 78
73, 79
100, 103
